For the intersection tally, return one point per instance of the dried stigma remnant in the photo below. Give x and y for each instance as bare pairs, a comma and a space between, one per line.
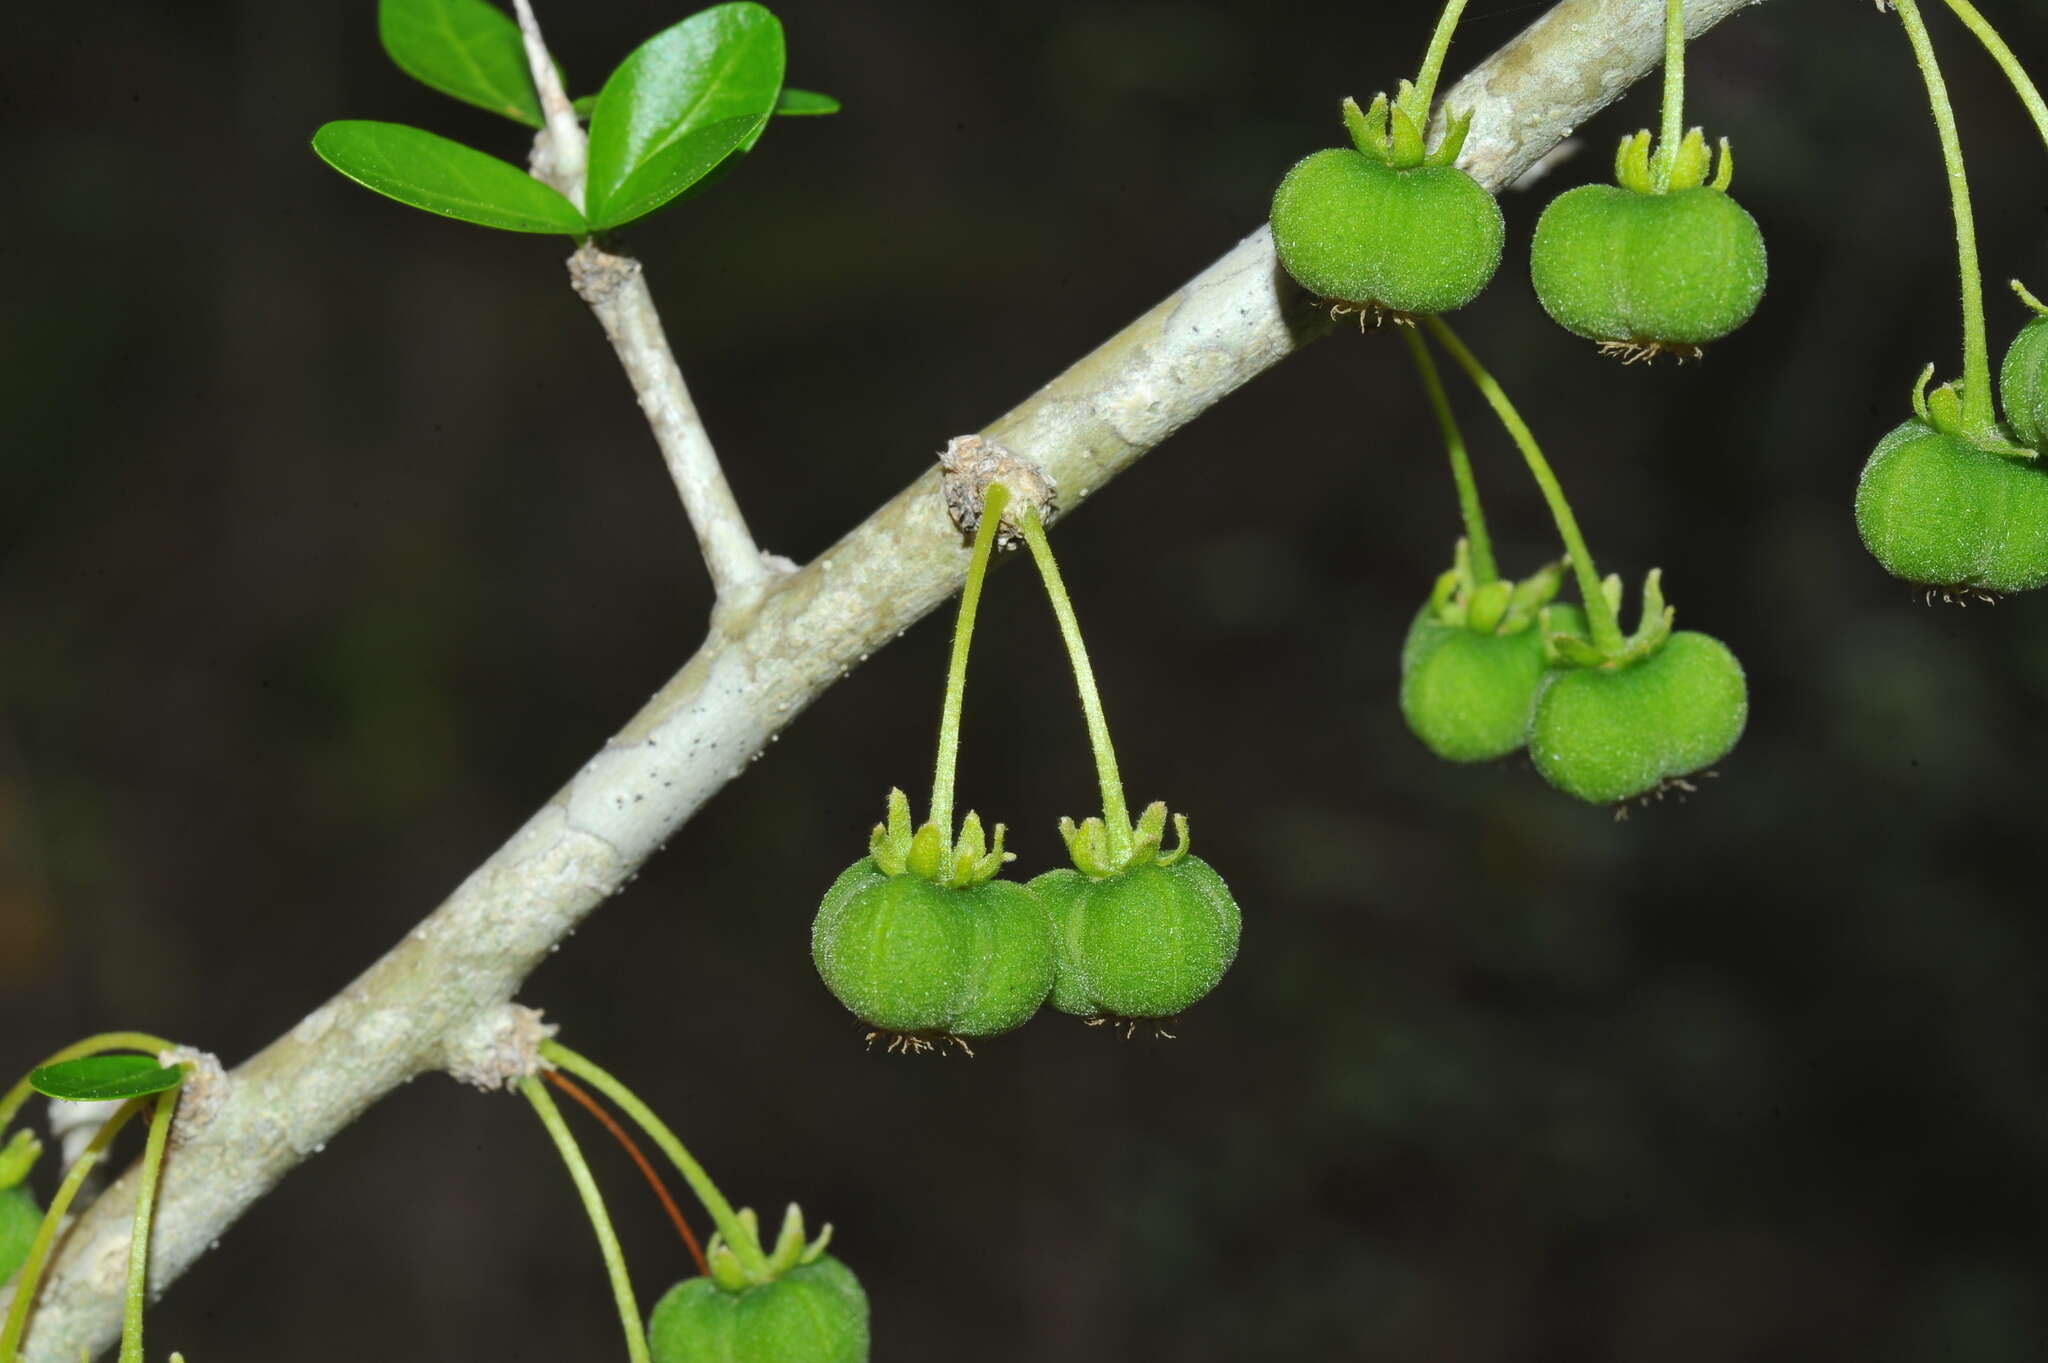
971, 463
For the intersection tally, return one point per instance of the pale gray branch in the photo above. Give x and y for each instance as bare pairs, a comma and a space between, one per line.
616, 289
433, 998
561, 154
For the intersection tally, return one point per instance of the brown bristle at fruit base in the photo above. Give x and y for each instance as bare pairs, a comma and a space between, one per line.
1679, 787
1959, 596
1377, 312
1129, 1026
1647, 352
918, 1043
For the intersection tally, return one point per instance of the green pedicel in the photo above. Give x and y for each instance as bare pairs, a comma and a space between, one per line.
1606, 735
1137, 933
814, 1313
788, 1304
1617, 716
1946, 500
918, 938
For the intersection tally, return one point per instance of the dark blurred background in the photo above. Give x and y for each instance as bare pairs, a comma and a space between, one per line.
331, 542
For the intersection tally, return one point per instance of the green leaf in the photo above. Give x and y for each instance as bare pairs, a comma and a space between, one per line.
465, 48
803, 102
683, 165
419, 168
96, 1078
651, 134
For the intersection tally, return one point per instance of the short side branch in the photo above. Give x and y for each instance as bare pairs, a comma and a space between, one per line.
561, 154
616, 289
765, 661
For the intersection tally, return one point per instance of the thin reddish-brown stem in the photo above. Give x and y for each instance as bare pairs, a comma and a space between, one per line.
675, 1213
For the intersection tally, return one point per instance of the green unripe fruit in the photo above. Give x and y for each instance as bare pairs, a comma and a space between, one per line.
1147, 942
1356, 230
1652, 271
1937, 510
19, 1221
2023, 384
815, 1313
907, 955
1605, 734
1466, 695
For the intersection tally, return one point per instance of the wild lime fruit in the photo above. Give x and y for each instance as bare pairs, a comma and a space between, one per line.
2023, 384
908, 956
1355, 230
919, 939
1939, 510
814, 1313
1137, 933
1649, 271
1474, 655
19, 1220
1614, 732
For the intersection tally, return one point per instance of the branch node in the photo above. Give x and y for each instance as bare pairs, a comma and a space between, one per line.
499, 1049
971, 463
201, 1095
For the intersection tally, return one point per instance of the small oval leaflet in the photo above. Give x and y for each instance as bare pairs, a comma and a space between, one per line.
98, 1078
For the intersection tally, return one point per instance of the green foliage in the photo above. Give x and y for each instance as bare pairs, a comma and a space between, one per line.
98, 1078
804, 103
910, 956
468, 49
1351, 228
428, 171
1942, 511
815, 1313
1671, 271
19, 1220
676, 109
682, 102
1615, 732
1147, 942
2023, 384
1466, 693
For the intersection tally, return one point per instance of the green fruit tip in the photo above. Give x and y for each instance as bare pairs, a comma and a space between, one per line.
1942, 408
1652, 629
1094, 852
1394, 132
1640, 164
791, 1250
973, 858
1498, 607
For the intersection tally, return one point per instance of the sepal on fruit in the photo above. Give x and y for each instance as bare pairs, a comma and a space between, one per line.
1094, 848
1639, 168
1652, 629
1498, 607
973, 858
792, 1249
1943, 409
1394, 132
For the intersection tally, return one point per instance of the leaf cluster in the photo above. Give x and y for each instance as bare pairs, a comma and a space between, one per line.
679, 107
